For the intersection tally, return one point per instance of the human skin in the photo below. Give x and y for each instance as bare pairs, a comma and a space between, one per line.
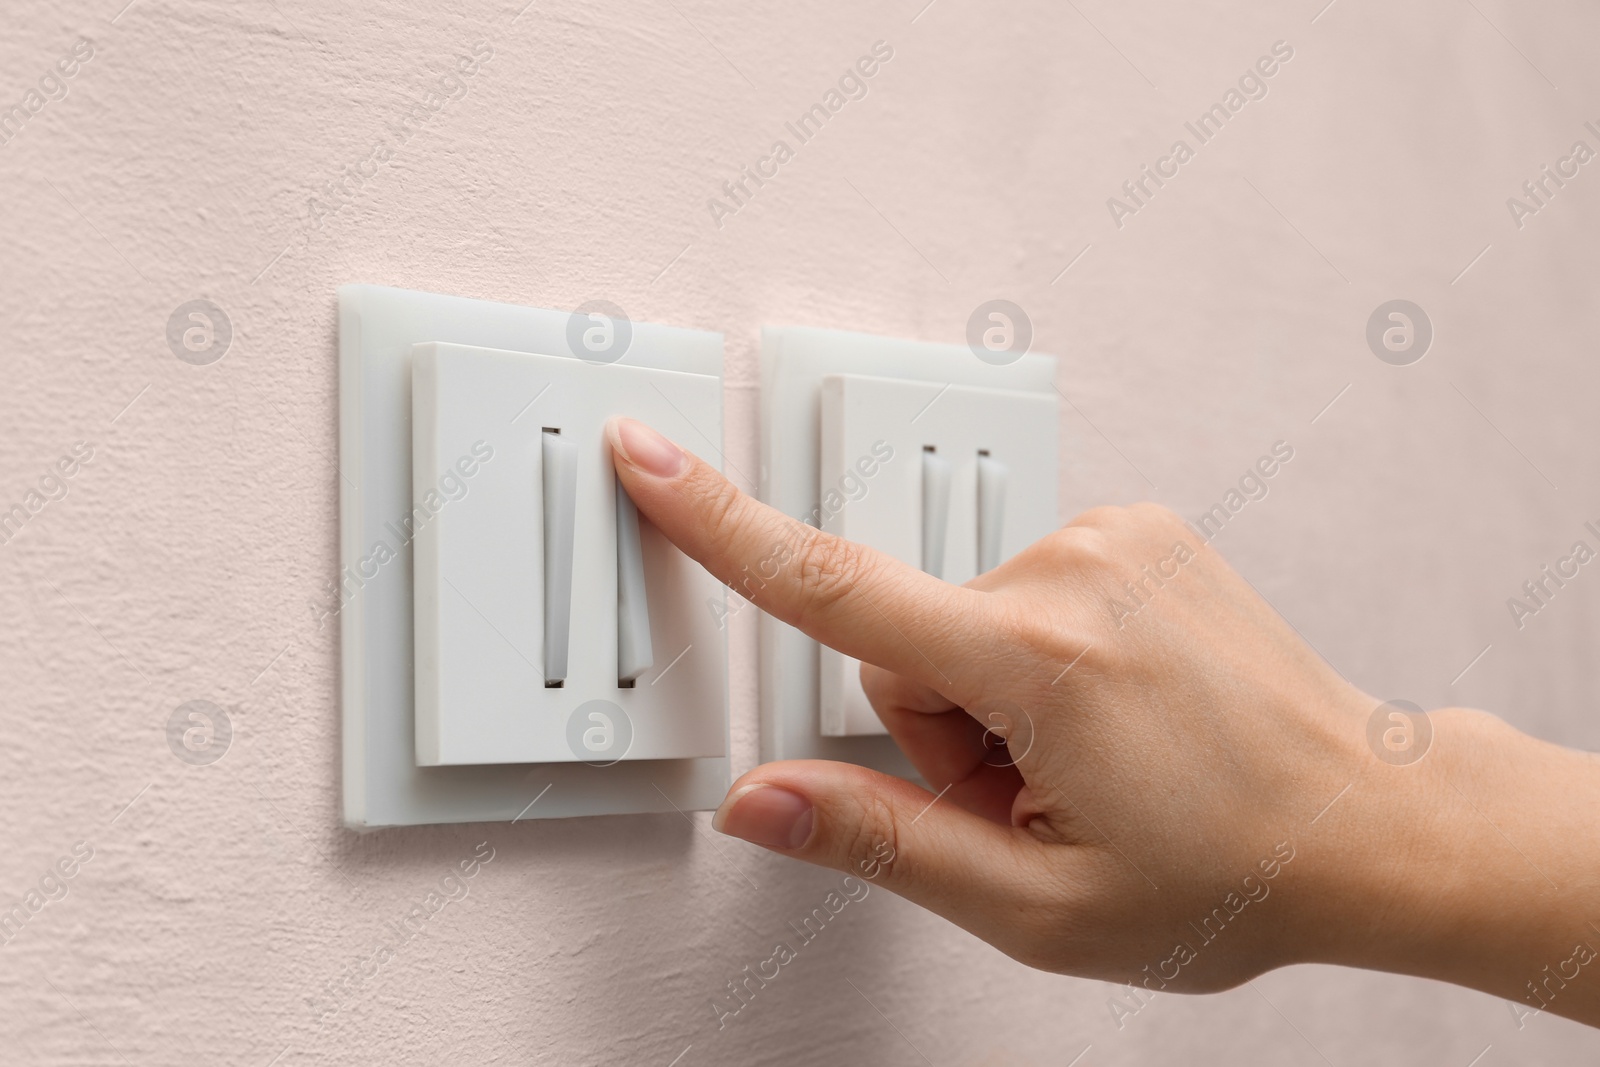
1180, 769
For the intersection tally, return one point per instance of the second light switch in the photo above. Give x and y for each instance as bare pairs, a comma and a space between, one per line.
943, 501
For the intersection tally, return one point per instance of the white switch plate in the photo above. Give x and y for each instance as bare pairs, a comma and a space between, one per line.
863, 416
382, 783
480, 567
794, 362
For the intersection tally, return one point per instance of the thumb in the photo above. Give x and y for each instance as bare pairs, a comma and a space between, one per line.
995, 881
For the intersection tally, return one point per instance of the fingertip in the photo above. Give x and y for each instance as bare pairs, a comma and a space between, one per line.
766, 815
614, 436
644, 449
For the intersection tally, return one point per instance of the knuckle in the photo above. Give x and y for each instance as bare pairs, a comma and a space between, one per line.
721, 509
1135, 519
872, 843
827, 569
726, 536
1025, 625
1076, 547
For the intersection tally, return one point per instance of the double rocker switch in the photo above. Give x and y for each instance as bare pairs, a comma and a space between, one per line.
551, 625
989, 506
969, 479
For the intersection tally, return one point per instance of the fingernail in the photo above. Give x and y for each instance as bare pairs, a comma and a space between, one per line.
644, 448
766, 815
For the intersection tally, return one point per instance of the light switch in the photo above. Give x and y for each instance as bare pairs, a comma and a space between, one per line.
542, 577
923, 451
939, 502
480, 519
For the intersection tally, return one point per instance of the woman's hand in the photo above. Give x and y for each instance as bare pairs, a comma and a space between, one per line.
1186, 794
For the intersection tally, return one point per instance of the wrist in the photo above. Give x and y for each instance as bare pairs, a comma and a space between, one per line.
1475, 865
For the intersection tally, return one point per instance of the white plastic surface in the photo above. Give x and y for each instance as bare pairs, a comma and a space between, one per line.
794, 361
968, 430
516, 574
382, 783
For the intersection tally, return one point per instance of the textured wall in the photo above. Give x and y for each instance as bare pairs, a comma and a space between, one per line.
222, 906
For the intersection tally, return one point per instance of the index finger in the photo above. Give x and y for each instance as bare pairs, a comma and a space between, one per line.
846, 595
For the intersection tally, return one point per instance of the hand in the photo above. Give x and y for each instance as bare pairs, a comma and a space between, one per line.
1186, 796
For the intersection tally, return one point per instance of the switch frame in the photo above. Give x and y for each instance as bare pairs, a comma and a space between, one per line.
382, 784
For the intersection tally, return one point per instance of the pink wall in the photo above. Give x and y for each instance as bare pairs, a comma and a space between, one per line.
222, 904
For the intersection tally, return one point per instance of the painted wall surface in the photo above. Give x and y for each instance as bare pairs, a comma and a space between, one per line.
257, 155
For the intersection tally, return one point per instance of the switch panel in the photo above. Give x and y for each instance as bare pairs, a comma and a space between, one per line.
948, 514
520, 585
517, 644
923, 451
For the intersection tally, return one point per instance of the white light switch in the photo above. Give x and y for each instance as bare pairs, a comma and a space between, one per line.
538, 598
441, 604
940, 503
925, 451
